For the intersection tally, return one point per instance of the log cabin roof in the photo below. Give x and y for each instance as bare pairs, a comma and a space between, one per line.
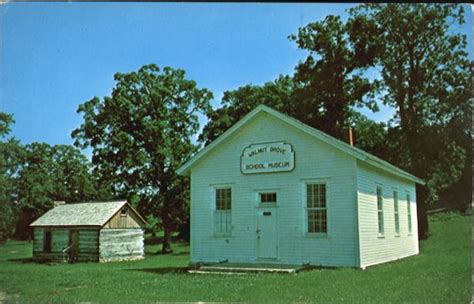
82, 214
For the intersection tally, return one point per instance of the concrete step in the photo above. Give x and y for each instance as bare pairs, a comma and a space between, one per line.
235, 268
215, 272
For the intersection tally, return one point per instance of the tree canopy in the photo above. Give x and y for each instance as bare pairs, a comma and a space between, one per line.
50, 173
277, 94
426, 74
326, 86
11, 154
330, 81
141, 134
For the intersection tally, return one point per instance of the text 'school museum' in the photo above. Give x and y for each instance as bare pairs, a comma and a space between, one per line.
272, 189
98, 231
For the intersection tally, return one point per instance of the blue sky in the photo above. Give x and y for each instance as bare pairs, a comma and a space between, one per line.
54, 56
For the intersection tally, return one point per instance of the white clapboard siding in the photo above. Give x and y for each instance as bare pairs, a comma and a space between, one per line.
314, 160
351, 178
121, 245
373, 248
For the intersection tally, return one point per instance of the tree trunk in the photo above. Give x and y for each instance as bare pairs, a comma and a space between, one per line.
167, 220
421, 204
166, 246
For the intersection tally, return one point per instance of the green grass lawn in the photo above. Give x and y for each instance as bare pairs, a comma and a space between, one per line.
440, 273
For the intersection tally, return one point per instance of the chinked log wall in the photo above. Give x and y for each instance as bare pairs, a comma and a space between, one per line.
59, 241
121, 245
88, 244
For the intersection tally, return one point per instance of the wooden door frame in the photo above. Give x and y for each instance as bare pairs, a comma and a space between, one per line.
73, 251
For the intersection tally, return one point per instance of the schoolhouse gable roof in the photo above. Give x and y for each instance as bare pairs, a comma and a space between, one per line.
338, 144
83, 214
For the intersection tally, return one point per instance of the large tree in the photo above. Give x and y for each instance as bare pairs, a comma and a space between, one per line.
425, 72
330, 81
459, 194
36, 185
141, 134
47, 174
326, 86
73, 181
10, 163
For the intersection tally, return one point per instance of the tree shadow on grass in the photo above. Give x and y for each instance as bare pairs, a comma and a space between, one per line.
155, 253
157, 240
23, 260
161, 270
14, 243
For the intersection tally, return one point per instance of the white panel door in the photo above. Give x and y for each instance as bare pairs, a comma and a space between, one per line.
267, 238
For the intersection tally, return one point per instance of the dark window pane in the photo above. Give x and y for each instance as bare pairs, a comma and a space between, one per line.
322, 189
323, 202
268, 197
316, 205
311, 221
223, 199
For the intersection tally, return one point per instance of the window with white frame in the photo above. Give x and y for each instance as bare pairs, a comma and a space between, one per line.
409, 213
222, 214
380, 209
316, 207
396, 213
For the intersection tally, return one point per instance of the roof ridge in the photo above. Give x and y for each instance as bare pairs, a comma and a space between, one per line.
78, 214
339, 141
328, 139
94, 202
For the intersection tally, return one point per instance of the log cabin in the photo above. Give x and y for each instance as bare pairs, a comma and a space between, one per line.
89, 232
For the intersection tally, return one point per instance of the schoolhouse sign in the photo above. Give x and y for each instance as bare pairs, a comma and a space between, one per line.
267, 157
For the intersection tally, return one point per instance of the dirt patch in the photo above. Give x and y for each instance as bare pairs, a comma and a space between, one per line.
4, 298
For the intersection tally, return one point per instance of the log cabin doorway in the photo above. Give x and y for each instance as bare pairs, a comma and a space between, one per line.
73, 245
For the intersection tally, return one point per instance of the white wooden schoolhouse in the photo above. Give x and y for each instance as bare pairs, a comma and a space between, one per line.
274, 190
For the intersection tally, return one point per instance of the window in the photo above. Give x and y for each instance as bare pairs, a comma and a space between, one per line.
47, 241
316, 208
409, 213
123, 212
395, 210
380, 209
268, 198
222, 216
